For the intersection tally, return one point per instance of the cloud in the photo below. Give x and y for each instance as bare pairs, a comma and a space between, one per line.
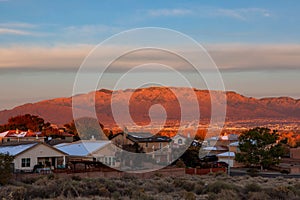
8, 31
17, 25
40, 58
18, 28
226, 56
169, 12
255, 56
243, 13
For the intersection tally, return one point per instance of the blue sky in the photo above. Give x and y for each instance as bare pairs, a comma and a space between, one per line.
256, 44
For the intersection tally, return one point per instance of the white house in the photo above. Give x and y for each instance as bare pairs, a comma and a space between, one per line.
26, 156
91, 150
179, 140
227, 157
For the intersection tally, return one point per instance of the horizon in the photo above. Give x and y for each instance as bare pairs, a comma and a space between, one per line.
99, 90
255, 45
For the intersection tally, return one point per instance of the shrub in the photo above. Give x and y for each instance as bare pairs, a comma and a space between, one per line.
188, 185
180, 164
280, 192
252, 187
76, 178
116, 195
163, 186
218, 186
224, 195
198, 189
30, 179
258, 196
190, 196
252, 172
12, 193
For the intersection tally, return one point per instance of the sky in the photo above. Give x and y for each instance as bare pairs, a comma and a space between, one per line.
255, 44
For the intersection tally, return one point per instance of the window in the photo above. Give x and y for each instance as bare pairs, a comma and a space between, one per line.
179, 141
25, 162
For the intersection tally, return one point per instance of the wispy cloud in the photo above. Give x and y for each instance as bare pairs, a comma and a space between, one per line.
243, 13
255, 56
8, 31
17, 28
90, 29
227, 57
169, 12
18, 25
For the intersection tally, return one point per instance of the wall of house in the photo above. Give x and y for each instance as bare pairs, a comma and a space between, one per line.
39, 151
149, 146
229, 161
295, 153
20, 139
234, 149
176, 140
107, 155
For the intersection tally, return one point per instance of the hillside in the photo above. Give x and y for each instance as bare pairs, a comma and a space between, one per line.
59, 111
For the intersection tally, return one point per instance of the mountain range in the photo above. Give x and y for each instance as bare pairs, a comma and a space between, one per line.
239, 107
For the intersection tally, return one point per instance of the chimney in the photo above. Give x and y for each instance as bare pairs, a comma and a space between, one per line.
93, 138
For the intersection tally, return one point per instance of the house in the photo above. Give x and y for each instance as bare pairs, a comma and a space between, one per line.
214, 150
234, 147
157, 146
20, 136
224, 140
28, 155
90, 150
147, 141
227, 157
179, 140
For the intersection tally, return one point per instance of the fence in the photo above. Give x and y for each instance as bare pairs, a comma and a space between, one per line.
199, 171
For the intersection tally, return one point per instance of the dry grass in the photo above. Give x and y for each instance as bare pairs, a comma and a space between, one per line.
213, 186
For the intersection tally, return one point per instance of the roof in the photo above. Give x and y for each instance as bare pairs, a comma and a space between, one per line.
227, 154
179, 136
234, 144
140, 134
149, 139
216, 148
143, 137
212, 138
14, 150
82, 147
230, 137
19, 134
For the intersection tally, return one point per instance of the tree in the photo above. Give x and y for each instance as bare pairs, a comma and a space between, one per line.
191, 157
86, 128
259, 147
5, 168
25, 122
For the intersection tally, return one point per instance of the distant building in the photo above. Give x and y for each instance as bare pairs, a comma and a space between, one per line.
179, 140
19, 136
224, 140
